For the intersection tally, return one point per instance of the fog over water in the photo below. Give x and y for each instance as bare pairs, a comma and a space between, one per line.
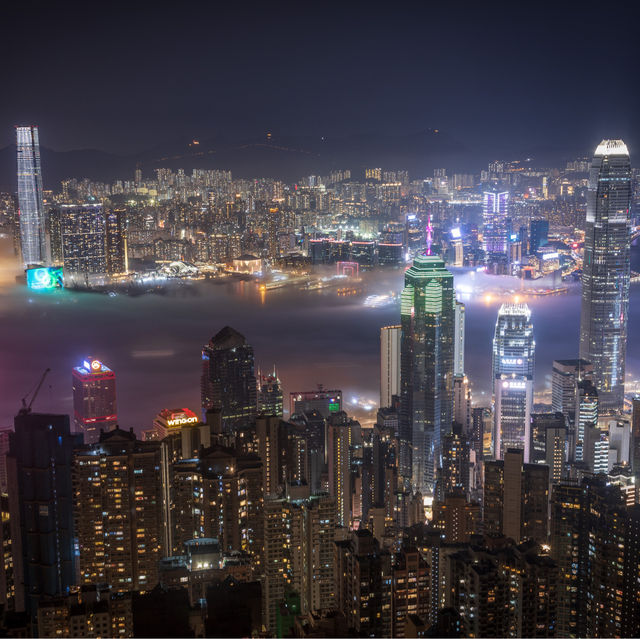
153, 342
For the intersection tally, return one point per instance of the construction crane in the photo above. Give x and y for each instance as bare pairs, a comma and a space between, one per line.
26, 408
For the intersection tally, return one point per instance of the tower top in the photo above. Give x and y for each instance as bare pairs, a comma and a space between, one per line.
612, 147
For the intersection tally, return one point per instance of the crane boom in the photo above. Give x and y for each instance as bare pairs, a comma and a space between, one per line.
26, 408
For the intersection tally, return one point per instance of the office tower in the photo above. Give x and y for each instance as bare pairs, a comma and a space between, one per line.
426, 394
30, 205
516, 497
586, 414
410, 589
538, 234
83, 236
269, 394
635, 435
594, 541
116, 241
539, 424
94, 399
458, 344
556, 449
363, 585
512, 373
565, 375
181, 431
495, 211
325, 402
390, 349
339, 454
606, 271
41, 507
119, 490
299, 534
228, 379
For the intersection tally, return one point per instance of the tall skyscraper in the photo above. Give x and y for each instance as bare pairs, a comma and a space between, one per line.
339, 437
426, 394
228, 378
512, 370
30, 205
565, 376
116, 241
83, 236
586, 416
538, 235
94, 399
269, 394
41, 507
495, 211
390, 348
458, 344
606, 271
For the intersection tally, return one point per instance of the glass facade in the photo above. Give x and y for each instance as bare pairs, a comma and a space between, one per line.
31, 208
427, 361
606, 271
512, 371
495, 211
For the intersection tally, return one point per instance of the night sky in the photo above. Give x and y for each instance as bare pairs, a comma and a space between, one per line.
127, 77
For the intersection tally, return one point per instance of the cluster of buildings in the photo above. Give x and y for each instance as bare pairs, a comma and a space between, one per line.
446, 518
511, 219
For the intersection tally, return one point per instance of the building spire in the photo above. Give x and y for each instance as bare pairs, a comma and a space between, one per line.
429, 235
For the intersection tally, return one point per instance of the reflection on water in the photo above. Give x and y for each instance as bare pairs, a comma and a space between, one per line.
153, 342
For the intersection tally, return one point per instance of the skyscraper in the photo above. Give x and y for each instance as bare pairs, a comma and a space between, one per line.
606, 271
339, 436
458, 361
390, 347
269, 394
512, 370
116, 241
228, 378
119, 511
426, 394
94, 399
83, 236
31, 207
495, 211
41, 506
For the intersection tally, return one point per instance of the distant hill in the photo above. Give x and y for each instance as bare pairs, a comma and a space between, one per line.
286, 157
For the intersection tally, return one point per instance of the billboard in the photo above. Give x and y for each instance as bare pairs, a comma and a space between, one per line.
44, 278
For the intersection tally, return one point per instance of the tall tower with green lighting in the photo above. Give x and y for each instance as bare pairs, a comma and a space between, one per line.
427, 367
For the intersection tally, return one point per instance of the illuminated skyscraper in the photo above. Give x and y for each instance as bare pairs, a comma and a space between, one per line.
115, 241
31, 208
426, 394
512, 371
606, 271
94, 399
390, 348
83, 235
269, 394
495, 211
458, 362
228, 378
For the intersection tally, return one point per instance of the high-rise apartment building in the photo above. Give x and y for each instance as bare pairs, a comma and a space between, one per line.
390, 349
299, 534
83, 238
228, 378
41, 507
116, 241
516, 498
512, 374
606, 271
339, 455
30, 205
427, 363
119, 511
94, 399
